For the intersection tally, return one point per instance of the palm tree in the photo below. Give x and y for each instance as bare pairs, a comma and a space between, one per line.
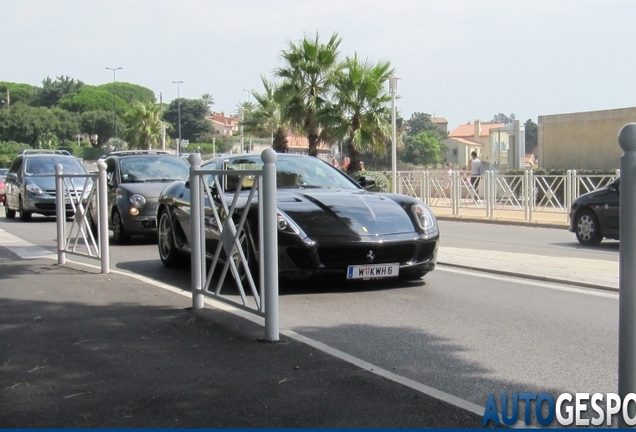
309, 63
359, 112
267, 116
208, 100
143, 125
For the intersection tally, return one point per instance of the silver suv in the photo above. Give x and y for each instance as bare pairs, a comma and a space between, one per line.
30, 183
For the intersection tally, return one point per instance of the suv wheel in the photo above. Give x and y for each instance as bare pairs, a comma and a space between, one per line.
10, 214
119, 232
25, 216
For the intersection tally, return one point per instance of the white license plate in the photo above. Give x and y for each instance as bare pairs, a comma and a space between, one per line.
373, 271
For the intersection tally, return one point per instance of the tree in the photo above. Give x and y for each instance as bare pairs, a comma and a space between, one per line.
13, 93
98, 125
208, 100
502, 118
131, 93
52, 91
532, 135
27, 124
267, 116
193, 121
423, 148
359, 112
91, 98
143, 125
308, 66
419, 122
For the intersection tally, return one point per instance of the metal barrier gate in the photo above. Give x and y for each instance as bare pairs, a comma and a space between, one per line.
80, 239
231, 226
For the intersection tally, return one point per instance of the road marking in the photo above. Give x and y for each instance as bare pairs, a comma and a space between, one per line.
22, 248
522, 281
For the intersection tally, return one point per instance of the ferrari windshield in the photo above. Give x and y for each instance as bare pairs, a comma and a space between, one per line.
297, 172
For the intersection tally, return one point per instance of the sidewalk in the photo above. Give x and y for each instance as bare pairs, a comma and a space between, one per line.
546, 219
86, 350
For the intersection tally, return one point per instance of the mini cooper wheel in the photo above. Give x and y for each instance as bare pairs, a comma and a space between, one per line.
587, 228
119, 232
165, 241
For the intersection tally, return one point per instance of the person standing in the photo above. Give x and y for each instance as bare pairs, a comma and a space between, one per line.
476, 170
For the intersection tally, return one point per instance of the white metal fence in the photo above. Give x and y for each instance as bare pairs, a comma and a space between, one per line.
527, 192
218, 216
80, 192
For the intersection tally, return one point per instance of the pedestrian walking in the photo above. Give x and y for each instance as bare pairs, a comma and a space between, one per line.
476, 170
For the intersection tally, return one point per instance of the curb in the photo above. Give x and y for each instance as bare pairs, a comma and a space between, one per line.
532, 277
495, 221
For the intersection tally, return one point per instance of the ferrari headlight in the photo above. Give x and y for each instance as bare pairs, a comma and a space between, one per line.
424, 218
285, 224
34, 189
137, 200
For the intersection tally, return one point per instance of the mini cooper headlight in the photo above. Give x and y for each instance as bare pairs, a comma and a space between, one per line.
34, 189
137, 200
424, 217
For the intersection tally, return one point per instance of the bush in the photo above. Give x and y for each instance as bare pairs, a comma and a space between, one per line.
381, 181
92, 153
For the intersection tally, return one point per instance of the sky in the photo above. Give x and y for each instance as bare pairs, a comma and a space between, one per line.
458, 59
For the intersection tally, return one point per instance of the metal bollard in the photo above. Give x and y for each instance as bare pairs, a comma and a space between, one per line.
60, 213
197, 258
270, 245
627, 269
102, 217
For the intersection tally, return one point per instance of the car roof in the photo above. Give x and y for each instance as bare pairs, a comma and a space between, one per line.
121, 153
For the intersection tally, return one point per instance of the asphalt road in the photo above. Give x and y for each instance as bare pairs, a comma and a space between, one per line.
462, 332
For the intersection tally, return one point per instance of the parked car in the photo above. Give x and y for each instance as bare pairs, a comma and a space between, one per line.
135, 179
594, 215
2, 191
30, 182
328, 225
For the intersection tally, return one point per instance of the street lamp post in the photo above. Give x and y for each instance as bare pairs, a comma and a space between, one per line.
249, 93
393, 89
179, 115
114, 98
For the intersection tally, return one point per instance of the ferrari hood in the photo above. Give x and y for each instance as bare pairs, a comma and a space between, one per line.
339, 213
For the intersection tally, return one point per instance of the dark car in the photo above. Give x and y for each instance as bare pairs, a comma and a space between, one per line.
30, 183
328, 225
135, 179
594, 215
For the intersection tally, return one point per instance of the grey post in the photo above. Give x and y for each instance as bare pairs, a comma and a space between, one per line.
198, 254
102, 208
270, 246
60, 213
626, 268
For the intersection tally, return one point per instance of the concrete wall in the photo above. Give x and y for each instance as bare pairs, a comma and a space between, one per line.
584, 140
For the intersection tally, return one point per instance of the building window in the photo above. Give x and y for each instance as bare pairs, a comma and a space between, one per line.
454, 152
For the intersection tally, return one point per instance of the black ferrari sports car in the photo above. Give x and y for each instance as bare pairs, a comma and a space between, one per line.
328, 224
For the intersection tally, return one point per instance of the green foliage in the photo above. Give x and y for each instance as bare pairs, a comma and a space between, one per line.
381, 180
307, 67
18, 93
12, 147
267, 116
52, 91
532, 135
92, 153
26, 124
130, 93
419, 122
100, 123
143, 125
193, 121
502, 118
423, 149
91, 98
